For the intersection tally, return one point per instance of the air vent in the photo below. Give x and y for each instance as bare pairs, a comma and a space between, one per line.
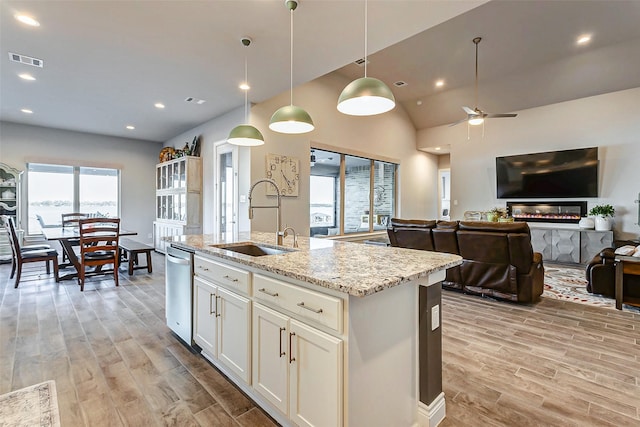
27, 60
400, 83
195, 100
360, 62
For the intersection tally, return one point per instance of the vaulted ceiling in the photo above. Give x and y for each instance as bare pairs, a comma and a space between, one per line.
107, 62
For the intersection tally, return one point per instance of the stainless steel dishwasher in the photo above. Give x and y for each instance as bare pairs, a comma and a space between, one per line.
179, 292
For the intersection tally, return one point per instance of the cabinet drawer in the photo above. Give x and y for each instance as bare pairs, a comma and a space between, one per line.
321, 308
224, 275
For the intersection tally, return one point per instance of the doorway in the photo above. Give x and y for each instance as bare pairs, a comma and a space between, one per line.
226, 199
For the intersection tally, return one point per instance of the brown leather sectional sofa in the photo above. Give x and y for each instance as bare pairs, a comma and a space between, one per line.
498, 259
601, 274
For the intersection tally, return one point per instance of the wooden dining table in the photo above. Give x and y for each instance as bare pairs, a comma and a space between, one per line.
66, 235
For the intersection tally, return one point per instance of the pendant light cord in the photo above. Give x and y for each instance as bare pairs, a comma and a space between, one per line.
246, 92
476, 41
291, 59
366, 19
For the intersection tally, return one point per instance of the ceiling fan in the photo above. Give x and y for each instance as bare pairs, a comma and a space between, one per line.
475, 116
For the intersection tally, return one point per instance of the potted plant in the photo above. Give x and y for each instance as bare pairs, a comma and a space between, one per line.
603, 215
495, 214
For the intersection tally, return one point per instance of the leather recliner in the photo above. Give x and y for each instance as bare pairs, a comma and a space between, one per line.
601, 275
498, 259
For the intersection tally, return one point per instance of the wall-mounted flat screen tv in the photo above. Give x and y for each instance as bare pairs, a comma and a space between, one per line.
553, 174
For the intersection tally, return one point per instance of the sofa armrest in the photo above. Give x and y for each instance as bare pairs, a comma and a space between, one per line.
531, 284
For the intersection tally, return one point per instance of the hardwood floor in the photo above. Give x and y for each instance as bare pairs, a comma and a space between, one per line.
116, 363
555, 363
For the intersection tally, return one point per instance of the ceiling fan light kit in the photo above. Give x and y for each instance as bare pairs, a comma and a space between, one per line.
291, 119
245, 135
366, 96
475, 116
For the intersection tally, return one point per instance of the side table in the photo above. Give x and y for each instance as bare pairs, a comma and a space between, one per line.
625, 265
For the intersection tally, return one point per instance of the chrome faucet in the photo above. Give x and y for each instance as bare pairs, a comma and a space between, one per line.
295, 236
279, 234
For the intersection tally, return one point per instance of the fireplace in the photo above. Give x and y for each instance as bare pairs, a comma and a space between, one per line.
562, 212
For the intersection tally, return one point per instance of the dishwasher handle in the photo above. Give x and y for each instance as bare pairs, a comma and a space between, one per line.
176, 260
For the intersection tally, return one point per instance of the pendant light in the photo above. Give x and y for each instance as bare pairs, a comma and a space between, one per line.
245, 135
291, 118
366, 96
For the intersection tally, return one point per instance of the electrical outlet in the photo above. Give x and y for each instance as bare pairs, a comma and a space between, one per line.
435, 317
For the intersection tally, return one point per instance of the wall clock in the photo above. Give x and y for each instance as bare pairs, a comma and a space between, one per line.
285, 171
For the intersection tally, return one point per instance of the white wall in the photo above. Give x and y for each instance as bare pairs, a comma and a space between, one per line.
212, 132
390, 135
136, 159
607, 121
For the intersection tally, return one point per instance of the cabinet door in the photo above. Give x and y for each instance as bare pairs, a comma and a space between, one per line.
541, 241
315, 381
205, 330
593, 242
234, 333
270, 356
566, 246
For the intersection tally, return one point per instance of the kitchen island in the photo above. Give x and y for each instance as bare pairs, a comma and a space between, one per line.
327, 334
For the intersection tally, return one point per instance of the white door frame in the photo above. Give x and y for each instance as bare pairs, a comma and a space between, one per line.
220, 148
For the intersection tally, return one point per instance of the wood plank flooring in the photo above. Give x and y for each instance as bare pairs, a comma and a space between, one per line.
116, 363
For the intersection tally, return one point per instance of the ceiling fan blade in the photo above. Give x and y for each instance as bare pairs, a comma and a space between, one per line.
497, 116
458, 122
469, 110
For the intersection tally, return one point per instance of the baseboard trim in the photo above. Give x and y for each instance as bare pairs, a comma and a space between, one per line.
432, 415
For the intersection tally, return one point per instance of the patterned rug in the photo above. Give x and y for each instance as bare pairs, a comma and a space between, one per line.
36, 405
569, 284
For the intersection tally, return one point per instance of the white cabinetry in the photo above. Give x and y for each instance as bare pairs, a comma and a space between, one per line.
9, 205
178, 199
222, 317
297, 368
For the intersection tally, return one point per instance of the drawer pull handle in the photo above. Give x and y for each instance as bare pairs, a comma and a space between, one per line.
203, 268
291, 359
233, 279
271, 294
282, 353
315, 310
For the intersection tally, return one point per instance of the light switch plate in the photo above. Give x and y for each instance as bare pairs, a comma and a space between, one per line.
435, 317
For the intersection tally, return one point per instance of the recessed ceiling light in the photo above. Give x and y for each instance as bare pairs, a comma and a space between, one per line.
244, 86
584, 39
25, 19
439, 83
26, 111
418, 102
437, 148
26, 76
159, 105
130, 127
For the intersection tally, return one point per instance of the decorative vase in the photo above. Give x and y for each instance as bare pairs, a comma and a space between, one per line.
586, 223
602, 223
492, 217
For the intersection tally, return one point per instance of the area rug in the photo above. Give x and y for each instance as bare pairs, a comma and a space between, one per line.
32, 406
570, 284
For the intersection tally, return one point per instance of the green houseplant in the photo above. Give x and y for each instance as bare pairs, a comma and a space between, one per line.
603, 216
602, 210
495, 213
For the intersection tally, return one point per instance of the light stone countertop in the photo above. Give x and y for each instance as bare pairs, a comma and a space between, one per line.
354, 268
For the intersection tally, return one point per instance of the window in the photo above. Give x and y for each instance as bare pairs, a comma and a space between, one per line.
369, 193
57, 189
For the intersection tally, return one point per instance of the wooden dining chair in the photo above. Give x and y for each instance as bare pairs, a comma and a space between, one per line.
25, 254
98, 247
72, 220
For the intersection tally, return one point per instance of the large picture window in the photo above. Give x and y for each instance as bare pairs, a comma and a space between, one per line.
350, 194
56, 189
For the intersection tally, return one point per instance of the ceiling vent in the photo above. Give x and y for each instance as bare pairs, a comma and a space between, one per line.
360, 62
400, 83
23, 59
193, 100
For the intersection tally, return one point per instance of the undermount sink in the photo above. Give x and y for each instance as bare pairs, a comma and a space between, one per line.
254, 250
